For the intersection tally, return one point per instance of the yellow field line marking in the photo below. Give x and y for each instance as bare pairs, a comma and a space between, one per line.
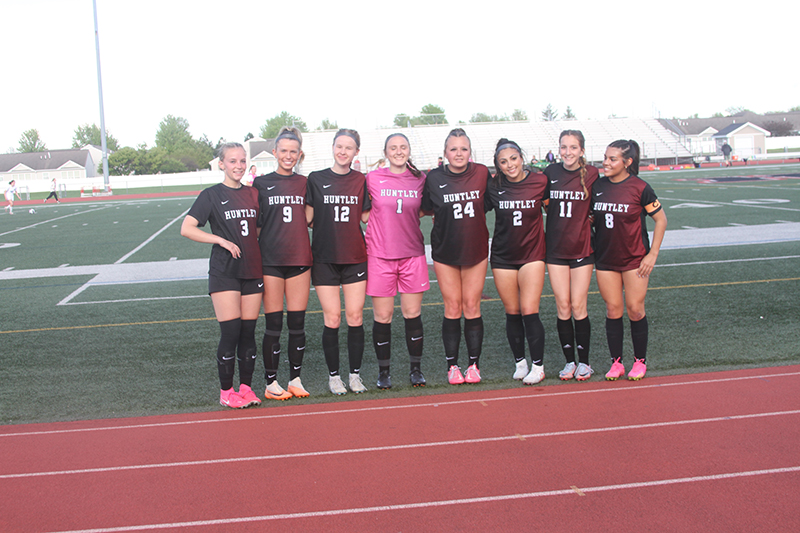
153, 322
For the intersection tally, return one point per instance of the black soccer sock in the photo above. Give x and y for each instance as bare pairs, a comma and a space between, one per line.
247, 352
355, 347
515, 332
451, 337
296, 322
639, 335
473, 335
330, 347
534, 331
614, 335
583, 334
271, 344
414, 340
226, 351
382, 340
566, 335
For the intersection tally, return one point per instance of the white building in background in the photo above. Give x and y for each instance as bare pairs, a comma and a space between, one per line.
64, 165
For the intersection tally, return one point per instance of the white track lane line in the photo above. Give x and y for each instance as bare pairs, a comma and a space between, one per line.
395, 447
392, 407
443, 503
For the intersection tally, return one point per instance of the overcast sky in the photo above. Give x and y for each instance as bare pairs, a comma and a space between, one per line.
229, 66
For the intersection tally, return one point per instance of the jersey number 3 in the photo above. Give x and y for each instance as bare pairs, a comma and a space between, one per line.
245, 228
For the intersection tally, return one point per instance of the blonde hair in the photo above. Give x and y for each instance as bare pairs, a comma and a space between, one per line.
578, 134
291, 133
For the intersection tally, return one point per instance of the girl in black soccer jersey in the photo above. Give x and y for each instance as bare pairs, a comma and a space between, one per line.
621, 202
286, 262
234, 275
454, 195
335, 200
518, 253
569, 250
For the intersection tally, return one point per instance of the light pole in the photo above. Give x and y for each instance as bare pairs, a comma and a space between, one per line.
103, 143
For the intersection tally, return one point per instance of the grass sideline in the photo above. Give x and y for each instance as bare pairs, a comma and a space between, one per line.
120, 350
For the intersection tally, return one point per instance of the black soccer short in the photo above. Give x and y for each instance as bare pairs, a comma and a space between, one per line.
283, 272
572, 263
338, 274
244, 286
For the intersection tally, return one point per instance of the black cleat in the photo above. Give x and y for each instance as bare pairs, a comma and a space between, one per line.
384, 380
416, 377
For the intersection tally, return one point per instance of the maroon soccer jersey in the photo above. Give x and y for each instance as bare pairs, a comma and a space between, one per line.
459, 236
518, 231
569, 232
619, 220
338, 201
284, 232
233, 215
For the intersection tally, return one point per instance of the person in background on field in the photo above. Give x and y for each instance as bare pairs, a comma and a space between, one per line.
624, 257
570, 260
335, 200
53, 193
285, 261
251, 175
10, 192
454, 195
518, 252
234, 276
550, 158
396, 256
726, 152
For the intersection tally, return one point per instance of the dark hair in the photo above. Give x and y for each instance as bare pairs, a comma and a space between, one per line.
630, 150
353, 134
502, 144
291, 133
578, 134
411, 168
224, 147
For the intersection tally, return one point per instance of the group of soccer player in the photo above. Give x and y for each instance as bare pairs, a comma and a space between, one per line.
262, 255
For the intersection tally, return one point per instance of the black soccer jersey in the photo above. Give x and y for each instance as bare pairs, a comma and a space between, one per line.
233, 215
284, 237
459, 236
620, 210
518, 230
569, 231
338, 201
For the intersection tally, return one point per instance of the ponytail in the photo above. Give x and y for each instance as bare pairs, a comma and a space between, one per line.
630, 150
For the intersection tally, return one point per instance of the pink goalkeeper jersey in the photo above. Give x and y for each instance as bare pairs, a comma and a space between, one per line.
393, 228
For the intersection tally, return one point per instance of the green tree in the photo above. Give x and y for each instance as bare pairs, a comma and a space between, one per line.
549, 113
735, 110
90, 134
568, 114
328, 125
717, 115
519, 115
402, 120
246, 137
173, 134
122, 162
484, 117
31, 142
795, 108
779, 128
273, 125
432, 114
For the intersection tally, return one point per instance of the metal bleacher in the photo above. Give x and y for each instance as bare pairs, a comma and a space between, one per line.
535, 138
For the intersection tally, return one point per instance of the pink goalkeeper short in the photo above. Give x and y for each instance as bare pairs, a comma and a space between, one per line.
385, 277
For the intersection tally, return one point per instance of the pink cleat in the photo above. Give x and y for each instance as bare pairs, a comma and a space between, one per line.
454, 376
617, 370
230, 398
472, 375
638, 370
248, 395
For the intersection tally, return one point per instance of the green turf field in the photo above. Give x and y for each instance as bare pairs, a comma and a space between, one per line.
105, 314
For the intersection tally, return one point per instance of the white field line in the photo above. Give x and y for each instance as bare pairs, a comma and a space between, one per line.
572, 491
149, 239
395, 447
422, 405
48, 221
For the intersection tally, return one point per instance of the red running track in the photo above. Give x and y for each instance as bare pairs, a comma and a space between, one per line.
699, 452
